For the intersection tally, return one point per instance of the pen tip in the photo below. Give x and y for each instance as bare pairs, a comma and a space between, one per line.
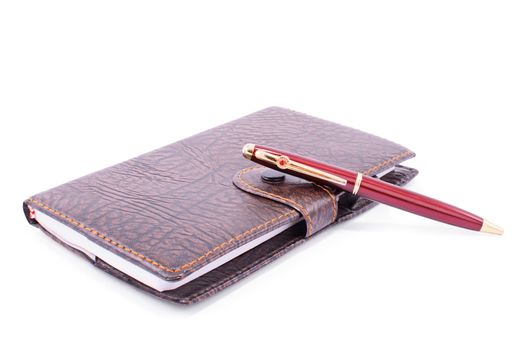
489, 227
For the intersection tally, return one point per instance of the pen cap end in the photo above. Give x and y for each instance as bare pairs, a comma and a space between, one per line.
247, 150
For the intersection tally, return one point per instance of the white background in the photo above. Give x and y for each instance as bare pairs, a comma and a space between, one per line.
84, 85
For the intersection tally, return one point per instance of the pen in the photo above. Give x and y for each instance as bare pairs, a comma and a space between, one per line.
367, 187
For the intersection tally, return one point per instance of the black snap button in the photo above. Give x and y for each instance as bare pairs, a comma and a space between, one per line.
272, 176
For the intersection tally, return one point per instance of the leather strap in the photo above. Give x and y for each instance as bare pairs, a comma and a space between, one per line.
317, 204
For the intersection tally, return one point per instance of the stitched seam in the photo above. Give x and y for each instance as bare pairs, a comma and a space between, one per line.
211, 251
388, 161
141, 256
217, 286
334, 201
287, 200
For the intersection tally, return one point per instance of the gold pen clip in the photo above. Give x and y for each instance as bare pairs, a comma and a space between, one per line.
284, 162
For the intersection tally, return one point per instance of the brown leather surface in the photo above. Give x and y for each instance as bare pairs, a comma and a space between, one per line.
316, 203
254, 259
175, 209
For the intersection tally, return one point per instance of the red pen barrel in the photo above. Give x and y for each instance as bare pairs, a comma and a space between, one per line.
416, 203
367, 187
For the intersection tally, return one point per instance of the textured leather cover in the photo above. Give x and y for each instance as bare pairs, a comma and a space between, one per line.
317, 204
175, 209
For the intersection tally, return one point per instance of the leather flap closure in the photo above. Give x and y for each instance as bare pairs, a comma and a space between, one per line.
316, 203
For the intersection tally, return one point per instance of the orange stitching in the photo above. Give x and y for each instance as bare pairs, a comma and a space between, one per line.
288, 200
141, 256
334, 205
388, 161
220, 246
334, 201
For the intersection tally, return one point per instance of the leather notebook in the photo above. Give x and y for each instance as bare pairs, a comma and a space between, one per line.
189, 219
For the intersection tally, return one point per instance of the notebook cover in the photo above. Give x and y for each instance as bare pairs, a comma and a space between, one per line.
173, 210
